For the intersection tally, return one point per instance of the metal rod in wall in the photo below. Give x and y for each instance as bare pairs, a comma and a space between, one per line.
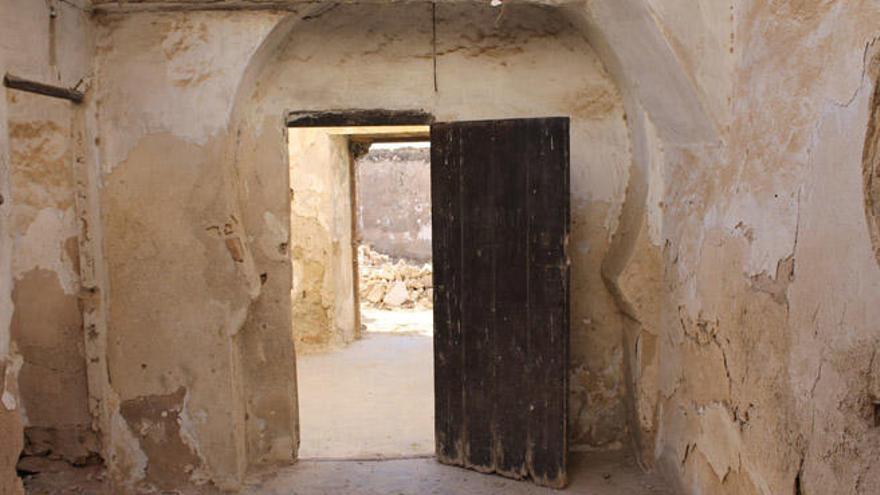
434, 40
39, 88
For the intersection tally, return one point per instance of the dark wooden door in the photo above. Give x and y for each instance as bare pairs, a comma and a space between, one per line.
500, 232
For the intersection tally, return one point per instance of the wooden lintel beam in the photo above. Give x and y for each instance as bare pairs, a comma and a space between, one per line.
358, 117
39, 88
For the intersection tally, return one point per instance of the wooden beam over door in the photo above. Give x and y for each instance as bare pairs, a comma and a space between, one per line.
357, 117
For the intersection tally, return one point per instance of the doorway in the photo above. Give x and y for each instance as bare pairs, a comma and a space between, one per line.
361, 256
499, 235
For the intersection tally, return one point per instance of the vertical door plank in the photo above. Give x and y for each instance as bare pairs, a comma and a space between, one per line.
511, 308
477, 298
445, 194
548, 227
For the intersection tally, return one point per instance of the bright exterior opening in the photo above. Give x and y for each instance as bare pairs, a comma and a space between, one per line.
362, 291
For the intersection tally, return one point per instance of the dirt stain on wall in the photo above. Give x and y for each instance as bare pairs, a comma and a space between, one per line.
156, 422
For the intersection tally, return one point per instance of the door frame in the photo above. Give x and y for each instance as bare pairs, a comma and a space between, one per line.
377, 118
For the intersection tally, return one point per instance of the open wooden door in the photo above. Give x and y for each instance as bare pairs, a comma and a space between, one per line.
500, 199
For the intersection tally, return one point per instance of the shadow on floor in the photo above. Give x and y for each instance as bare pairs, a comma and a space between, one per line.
593, 473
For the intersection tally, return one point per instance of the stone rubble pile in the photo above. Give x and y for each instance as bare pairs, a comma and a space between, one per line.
388, 285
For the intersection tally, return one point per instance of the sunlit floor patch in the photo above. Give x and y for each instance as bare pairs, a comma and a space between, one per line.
372, 399
409, 321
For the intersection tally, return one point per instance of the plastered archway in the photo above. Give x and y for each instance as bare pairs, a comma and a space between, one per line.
670, 113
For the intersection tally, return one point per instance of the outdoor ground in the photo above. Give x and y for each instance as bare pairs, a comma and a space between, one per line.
373, 398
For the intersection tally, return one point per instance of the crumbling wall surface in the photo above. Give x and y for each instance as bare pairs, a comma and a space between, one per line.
667, 109
763, 347
321, 247
11, 430
47, 324
389, 284
184, 276
42, 366
397, 224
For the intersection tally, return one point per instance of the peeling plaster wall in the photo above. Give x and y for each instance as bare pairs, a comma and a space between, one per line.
753, 278
324, 312
185, 278
47, 323
39, 247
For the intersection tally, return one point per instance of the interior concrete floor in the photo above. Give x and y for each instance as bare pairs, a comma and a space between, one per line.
593, 473
375, 397
401, 321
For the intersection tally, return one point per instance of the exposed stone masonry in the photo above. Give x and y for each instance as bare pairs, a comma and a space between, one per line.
386, 284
